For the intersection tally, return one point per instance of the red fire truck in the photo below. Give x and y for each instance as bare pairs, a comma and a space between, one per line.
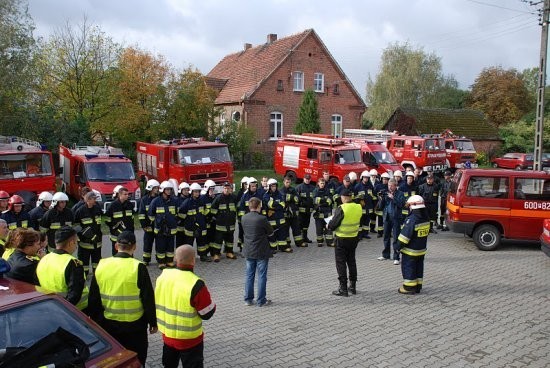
101, 169
192, 160
25, 167
374, 152
426, 151
460, 151
297, 155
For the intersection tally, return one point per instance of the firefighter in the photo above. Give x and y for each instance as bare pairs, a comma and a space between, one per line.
274, 204
305, 204
322, 206
42, 206
163, 216
252, 191
88, 217
363, 192
412, 244
4, 197
373, 216
194, 222
16, 216
353, 177
240, 193
419, 177
331, 185
392, 202
430, 192
380, 190
291, 213
151, 192
398, 176
119, 216
207, 198
82, 191
346, 184
445, 187
183, 193
58, 215
409, 188
224, 212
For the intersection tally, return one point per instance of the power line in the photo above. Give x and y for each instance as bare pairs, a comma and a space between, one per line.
501, 7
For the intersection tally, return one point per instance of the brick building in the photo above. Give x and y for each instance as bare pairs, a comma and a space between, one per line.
263, 86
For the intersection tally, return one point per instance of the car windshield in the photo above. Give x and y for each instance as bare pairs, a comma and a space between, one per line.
13, 166
348, 156
24, 325
464, 145
203, 155
384, 157
109, 171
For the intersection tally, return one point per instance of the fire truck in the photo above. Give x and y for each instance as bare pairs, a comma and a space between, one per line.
425, 151
374, 152
101, 168
460, 151
298, 155
192, 160
26, 168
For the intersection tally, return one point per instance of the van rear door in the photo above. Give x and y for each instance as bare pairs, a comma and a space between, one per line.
530, 206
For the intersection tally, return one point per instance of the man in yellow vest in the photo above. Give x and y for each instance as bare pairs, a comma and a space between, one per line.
345, 224
183, 301
61, 272
122, 299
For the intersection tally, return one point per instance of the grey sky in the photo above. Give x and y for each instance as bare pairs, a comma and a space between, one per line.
468, 35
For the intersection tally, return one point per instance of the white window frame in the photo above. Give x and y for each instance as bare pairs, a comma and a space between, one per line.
273, 121
336, 125
298, 81
319, 82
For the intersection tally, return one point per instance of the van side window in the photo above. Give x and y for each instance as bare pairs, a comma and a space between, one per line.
449, 145
488, 187
398, 144
532, 189
312, 153
325, 156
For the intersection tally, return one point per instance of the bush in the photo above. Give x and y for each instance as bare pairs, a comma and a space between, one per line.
482, 159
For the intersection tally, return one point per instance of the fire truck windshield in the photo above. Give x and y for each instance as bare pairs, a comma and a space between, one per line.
464, 145
109, 171
203, 155
384, 157
434, 144
13, 166
348, 156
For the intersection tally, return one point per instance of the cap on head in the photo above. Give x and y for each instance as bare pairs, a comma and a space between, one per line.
346, 178
307, 176
227, 184
90, 195
346, 193
126, 237
64, 233
447, 173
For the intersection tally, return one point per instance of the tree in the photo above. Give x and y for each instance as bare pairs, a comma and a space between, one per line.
501, 95
408, 77
518, 136
308, 117
238, 138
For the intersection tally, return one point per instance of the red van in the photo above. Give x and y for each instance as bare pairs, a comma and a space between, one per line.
491, 204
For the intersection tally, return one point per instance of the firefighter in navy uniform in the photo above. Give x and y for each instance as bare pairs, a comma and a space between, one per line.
151, 192
322, 206
291, 213
42, 206
379, 190
224, 212
119, 216
57, 216
240, 193
413, 243
274, 205
330, 185
346, 184
207, 196
194, 222
164, 218
88, 217
363, 192
430, 192
445, 188
16, 216
408, 188
373, 216
305, 204
252, 191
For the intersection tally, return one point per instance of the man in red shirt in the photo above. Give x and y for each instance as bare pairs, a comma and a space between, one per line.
183, 301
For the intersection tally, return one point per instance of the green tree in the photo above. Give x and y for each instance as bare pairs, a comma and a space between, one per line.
408, 77
238, 138
308, 117
519, 136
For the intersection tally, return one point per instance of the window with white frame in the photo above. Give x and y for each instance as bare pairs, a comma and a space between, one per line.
319, 82
336, 123
298, 81
275, 125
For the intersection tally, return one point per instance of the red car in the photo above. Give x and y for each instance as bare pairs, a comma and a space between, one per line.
29, 314
545, 237
517, 161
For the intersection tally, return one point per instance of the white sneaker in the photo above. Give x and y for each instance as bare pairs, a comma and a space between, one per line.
396, 262
382, 258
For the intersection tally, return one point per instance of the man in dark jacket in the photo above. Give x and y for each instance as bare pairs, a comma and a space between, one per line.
392, 203
88, 217
119, 216
256, 250
224, 212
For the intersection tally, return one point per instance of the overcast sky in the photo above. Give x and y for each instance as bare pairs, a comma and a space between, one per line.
468, 35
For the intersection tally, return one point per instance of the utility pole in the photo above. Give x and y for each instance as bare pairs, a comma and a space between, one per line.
539, 123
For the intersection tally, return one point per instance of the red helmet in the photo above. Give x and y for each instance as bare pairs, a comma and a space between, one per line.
4, 194
15, 199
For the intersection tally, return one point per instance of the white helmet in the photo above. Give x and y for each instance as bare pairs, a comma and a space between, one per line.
409, 173
352, 176
397, 173
365, 174
415, 202
165, 185
183, 185
244, 180
174, 183
195, 186
59, 196
116, 189
252, 180
44, 197
209, 184
272, 181
385, 175
151, 183
373, 172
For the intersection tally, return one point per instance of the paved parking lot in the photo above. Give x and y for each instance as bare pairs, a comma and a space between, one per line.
477, 309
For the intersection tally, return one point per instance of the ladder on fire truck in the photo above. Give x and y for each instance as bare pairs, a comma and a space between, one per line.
315, 138
95, 150
373, 135
12, 143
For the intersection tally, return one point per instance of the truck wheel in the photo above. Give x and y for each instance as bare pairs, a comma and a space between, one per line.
292, 176
487, 237
518, 168
495, 165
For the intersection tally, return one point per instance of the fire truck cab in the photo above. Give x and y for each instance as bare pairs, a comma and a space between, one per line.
374, 152
298, 155
192, 160
460, 151
426, 151
25, 167
101, 169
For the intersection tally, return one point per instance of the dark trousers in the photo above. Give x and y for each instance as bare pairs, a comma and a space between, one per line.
85, 255
365, 222
211, 238
344, 253
133, 340
191, 358
323, 234
165, 248
442, 210
432, 213
392, 227
241, 236
412, 269
202, 245
293, 223
148, 241
220, 238
280, 234
372, 223
304, 218
180, 238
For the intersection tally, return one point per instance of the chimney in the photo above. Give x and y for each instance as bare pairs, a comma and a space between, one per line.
247, 46
272, 37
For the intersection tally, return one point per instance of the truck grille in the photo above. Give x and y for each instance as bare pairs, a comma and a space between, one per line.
200, 177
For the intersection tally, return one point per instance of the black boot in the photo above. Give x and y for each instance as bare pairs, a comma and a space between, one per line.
342, 290
352, 288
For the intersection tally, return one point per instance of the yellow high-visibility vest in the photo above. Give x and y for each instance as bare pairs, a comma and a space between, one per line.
349, 227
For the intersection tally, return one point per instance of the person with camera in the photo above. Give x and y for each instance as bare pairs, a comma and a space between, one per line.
391, 202
119, 215
163, 215
88, 217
